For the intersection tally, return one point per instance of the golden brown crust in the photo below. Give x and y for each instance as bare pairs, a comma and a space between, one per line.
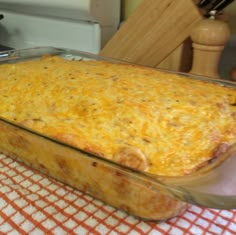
173, 125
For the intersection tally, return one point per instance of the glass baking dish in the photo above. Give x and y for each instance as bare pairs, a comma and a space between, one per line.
144, 195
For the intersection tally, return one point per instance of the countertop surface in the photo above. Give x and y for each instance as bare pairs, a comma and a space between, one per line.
32, 203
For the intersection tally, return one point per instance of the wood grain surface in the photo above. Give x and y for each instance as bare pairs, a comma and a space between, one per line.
153, 31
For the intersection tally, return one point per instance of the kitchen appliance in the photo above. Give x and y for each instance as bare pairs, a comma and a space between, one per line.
76, 24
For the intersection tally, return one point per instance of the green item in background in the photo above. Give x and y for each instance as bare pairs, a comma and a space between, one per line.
127, 7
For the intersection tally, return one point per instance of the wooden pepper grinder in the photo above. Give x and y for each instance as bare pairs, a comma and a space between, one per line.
209, 37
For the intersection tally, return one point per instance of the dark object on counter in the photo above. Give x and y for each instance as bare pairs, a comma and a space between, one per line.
4, 48
219, 5
213, 5
1, 16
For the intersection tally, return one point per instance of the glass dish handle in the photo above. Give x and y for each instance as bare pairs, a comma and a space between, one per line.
212, 186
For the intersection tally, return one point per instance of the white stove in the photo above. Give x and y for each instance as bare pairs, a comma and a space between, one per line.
76, 24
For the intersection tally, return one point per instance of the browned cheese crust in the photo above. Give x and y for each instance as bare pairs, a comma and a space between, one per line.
154, 121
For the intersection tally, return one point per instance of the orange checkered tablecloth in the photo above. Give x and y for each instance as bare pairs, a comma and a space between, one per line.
31, 203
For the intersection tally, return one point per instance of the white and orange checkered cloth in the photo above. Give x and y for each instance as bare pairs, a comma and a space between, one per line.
31, 203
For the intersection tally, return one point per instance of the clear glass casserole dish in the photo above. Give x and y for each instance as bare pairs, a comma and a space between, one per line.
145, 195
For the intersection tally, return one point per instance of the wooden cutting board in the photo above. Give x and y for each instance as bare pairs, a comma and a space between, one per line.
153, 31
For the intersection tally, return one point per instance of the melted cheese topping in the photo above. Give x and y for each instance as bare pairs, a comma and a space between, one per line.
101, 107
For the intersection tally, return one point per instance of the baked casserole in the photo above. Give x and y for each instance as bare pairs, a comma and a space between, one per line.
156, 122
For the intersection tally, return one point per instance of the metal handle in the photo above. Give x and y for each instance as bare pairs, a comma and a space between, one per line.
203, 3
213, 5
219, 5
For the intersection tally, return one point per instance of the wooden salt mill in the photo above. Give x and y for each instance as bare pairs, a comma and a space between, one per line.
209, 37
